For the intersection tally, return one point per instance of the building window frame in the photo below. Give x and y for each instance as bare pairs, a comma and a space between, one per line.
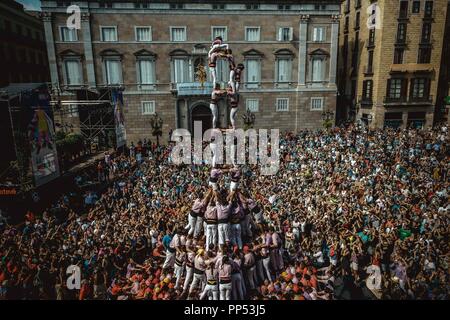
315, 101
282, 105
152, 84
252, 84
62, 37
152, 105
247, 36
116, 33
399, 54
67, 59
171, 28
281, 35
106, 76
288, 74
315, 34
415, 7
136, 34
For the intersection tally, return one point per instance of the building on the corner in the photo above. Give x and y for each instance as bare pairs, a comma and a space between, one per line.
152, 50
388, 75
23, 55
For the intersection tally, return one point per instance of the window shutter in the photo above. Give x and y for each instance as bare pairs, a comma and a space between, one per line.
315, 34
280, 34
291, 34
388, 89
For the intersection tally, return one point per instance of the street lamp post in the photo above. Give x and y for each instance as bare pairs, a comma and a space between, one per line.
156, 123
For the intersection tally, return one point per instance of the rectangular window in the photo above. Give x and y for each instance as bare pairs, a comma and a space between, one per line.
283, 70
113, 71
109, 34
367, 90
253, 75
148, 107
180, 66
178, 33
357, 20
316, 104
252, 34
219, 32
401, 33
317, 70
428, 9
252, 105
319, 34
68, 35
347, 24
73, 72
143, 34
426, 33
398, 55
370, 62
424, 55
395, 88
420, 88
416, 7
146, 73
282, 104
403, 13
371, 37
285, 34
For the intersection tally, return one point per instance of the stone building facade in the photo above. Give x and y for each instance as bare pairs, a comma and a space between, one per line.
390, 61
153, 48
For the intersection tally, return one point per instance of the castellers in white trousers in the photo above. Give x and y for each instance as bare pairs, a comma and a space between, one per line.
170, 259
211, 291
211, 235
198, 282
178, 274
188, 279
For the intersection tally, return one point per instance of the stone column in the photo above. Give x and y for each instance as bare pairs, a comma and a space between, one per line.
302, 38
88, 53
50, 44
334, 48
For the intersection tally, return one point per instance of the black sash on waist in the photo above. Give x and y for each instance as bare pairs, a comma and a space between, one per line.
193, 214
225, 281
179, 263
223, 220
197, 271
211, 221
212, 179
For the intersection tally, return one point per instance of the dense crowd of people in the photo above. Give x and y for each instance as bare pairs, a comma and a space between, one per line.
351, 214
